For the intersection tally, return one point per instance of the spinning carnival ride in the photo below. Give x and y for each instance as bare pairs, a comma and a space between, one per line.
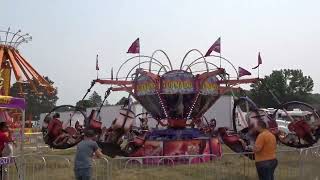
177, 100
12, 109
25, 74
12, 60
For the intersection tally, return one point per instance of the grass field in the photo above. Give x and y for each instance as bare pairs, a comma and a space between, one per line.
58, 165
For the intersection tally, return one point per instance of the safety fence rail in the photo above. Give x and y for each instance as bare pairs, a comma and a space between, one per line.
293, 165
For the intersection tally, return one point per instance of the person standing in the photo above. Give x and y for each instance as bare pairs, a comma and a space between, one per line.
5, 136
55, 126
265, 152
86, 150
5, 139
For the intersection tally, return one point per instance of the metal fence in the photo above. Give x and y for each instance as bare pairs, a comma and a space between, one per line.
34, 142
293, 164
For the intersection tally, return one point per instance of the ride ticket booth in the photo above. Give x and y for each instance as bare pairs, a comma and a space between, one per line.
9, 102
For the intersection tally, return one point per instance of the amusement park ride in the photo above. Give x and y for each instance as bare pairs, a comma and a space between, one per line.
12, 60
12, 108
177, 99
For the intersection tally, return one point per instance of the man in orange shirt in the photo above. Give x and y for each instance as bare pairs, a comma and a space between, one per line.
265, 152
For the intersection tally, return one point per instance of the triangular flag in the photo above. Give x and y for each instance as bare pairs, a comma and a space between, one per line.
215, 47
97, 63
135, 47
243, 72
259, 61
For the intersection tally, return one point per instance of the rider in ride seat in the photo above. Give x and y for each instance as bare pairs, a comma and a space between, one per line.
302, 129
78, 127
144, 123
233, 140
55, 126
212, 125
93, 123
59, 137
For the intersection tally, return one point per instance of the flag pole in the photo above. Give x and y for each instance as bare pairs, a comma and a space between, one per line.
112, 73
97, 65
139, 58
97, 74
220, 58
220, 51
139, 53
259, 62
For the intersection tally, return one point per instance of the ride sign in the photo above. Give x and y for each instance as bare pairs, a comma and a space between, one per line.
210, 86
7, 160
144, 86
12, 102
177, 82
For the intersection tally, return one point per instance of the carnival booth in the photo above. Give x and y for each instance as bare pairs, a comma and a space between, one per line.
9, 102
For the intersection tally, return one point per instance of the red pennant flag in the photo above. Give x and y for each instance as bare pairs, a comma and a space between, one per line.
135, 47
215, 47
259, 61
243, 72
97, 63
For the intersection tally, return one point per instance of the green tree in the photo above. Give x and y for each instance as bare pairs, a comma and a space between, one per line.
314, 99
84, 104
122, 101
286, 85
95, 99
36, 103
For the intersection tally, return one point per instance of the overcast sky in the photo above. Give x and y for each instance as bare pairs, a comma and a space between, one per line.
67, 35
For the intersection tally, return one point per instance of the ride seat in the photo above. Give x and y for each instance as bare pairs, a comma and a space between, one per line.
71, 131
300, 127
95, 124
78, 126
55, 128
273, 127
227, 137
138, 140
123, 120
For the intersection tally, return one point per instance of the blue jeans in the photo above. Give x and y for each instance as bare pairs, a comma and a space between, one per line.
83, 174
266, 169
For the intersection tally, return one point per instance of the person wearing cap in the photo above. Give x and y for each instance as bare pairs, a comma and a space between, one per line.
86, 150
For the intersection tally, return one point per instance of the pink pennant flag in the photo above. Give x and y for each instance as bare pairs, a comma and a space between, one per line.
243, 72
215, 47
259, 61
97, 63
135, 47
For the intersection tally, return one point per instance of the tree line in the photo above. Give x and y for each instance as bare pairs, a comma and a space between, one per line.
283, 86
